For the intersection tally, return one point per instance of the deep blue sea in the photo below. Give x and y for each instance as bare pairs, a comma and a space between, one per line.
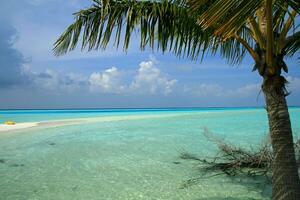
134, 157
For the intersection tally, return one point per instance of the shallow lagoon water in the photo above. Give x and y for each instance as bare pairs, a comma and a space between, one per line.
129, 159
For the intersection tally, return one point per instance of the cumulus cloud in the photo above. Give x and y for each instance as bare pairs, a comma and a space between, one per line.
108, 81
150, 80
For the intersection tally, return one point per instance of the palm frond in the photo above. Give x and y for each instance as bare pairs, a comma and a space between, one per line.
279, 13
165, 25
294, 4
292, 44
185, 27
225, 16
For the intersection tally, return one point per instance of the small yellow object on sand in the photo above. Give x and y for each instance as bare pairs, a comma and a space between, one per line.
9, 123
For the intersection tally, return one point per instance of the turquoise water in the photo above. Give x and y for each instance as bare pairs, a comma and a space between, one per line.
45, 115
127, 159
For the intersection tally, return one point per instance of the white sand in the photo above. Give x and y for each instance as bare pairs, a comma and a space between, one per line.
56, 123
5, 128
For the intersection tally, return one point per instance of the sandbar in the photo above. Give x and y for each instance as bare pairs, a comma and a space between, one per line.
56, 123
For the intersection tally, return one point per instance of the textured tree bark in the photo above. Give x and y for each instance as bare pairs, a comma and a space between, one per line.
285, 179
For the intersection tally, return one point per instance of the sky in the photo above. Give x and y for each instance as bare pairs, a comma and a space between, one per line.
32, 77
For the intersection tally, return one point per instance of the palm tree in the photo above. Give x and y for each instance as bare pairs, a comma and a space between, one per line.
264, 29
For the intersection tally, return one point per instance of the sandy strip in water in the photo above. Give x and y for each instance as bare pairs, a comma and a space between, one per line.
5, 128
56, 123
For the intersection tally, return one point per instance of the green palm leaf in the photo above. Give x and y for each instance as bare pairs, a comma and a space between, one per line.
292, 44
185, 27
226, 16
164, 25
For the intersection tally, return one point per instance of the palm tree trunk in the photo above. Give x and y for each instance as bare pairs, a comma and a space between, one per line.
285, 180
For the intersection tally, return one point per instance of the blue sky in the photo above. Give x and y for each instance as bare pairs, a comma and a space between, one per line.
31, 77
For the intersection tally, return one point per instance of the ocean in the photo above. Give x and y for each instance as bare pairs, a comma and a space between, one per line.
134, 158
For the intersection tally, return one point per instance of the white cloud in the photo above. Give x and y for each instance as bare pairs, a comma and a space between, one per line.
150, 80
107, 81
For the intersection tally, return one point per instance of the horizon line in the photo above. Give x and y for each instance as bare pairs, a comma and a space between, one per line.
123, 108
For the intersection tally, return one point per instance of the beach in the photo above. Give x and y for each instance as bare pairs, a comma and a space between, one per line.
126, 155
56, 123
6, 128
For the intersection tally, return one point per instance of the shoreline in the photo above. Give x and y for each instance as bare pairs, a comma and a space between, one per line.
18, 126
56, 123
